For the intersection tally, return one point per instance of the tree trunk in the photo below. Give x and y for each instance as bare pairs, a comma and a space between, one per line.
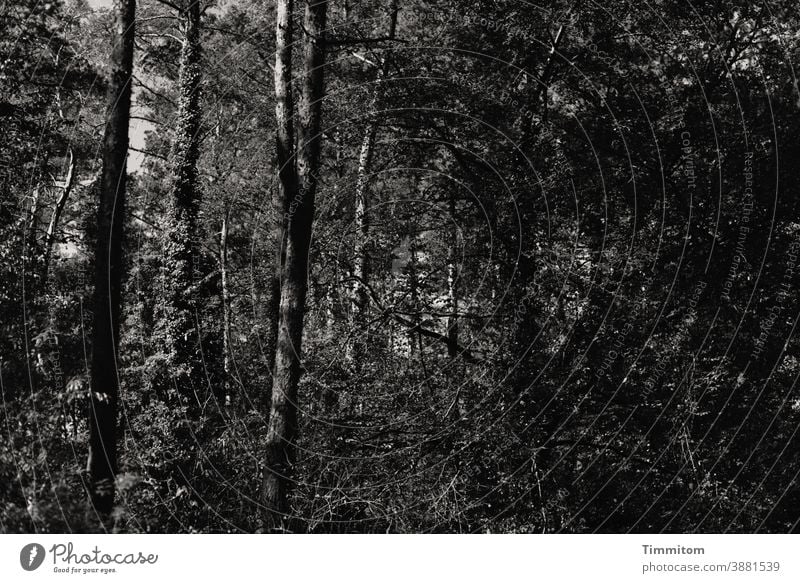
452, 282
414, 339
287, 171
33, 219
102, 462
30, 255
458, 407
361, 264
183, 241
358, 298
361, 216
226, 304
282, 428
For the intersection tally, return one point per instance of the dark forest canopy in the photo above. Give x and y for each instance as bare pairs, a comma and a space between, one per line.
399, 267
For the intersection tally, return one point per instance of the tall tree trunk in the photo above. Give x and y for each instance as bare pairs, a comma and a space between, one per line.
287, 171
358, 299
183, 240
282, 428
102, 462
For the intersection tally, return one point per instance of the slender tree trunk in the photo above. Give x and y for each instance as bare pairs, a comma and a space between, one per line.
282, 428
183, 240
414, 340
458, 407
102, 462
358, 298
34, 285
287, 171
362, 199
226, 303
361, 264
452, 282
33, 220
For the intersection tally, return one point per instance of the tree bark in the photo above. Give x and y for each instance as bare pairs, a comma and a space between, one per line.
102, 462
282, 427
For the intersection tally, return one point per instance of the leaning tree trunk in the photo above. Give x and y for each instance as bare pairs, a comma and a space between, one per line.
282, 427
102, 463
61, 202
182, 272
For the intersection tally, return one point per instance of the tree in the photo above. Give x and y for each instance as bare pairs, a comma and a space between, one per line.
283, 193
282, 428
359, 297
183, 262
102, 463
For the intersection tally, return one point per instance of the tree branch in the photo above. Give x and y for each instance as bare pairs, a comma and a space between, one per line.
388, 311
146, 153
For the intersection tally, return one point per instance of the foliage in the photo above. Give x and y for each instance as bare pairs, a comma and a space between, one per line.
613, 181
